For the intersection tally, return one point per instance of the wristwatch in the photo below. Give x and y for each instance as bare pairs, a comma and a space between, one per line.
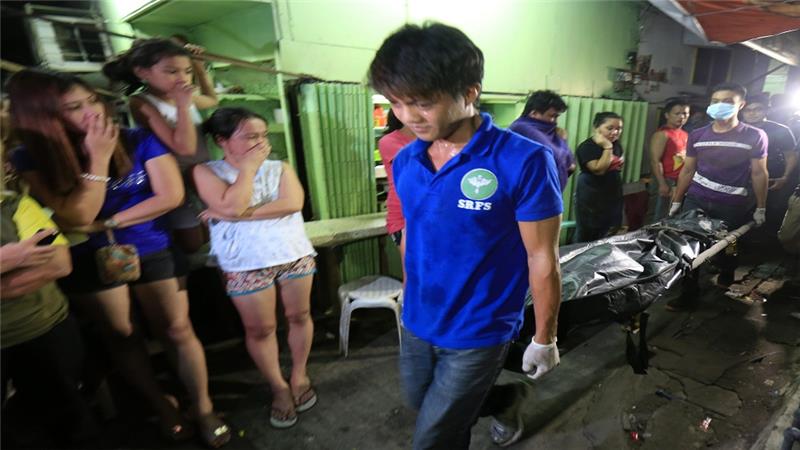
111, 223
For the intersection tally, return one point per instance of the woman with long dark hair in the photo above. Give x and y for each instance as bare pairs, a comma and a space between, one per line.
100, 179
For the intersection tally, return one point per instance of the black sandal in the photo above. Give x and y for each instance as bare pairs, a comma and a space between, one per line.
173, 425
214, 432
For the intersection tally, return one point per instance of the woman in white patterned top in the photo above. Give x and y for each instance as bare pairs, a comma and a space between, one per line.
258, 238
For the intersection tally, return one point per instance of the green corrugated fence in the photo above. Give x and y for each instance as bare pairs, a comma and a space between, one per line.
577, 120
338, 142
578, 123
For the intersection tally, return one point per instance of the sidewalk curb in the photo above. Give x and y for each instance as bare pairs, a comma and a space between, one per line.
772, 436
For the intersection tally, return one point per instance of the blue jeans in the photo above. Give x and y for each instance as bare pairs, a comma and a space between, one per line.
446, 387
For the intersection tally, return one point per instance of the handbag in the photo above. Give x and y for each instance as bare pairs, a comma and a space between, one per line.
117, 263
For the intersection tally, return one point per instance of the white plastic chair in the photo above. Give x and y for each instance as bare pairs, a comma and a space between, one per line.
373, 291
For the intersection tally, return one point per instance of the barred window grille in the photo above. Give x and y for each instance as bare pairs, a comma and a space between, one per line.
72, 42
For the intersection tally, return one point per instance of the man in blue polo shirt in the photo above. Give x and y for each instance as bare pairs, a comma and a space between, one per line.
483, 209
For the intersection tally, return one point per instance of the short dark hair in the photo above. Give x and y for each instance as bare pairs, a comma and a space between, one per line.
759, 97
671, 103
735, 87
426, 61
601, 117
224, 122
541, 101
675, 101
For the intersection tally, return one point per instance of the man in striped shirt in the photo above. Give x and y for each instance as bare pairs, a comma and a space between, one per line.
725, 171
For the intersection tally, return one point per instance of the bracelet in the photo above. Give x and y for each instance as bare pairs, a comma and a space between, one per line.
93, 177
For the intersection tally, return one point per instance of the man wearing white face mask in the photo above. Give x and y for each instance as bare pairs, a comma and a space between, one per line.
725, 169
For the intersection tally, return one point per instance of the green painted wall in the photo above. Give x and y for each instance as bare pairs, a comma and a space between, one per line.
247, 33
237, 28
113, 12
564, 45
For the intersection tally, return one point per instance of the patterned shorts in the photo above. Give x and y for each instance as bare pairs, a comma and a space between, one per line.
244, 283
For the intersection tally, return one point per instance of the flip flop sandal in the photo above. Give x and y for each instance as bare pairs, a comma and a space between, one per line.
278, 419
213, 430
308, 403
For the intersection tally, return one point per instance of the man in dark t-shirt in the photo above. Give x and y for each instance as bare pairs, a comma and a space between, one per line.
725, 170
784, 111
781, 159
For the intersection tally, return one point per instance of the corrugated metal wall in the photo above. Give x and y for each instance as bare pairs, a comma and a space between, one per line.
338, 142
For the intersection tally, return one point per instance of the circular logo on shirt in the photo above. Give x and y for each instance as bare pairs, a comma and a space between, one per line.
478, 184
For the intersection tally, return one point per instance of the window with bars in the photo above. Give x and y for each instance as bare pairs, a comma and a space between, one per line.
67, 39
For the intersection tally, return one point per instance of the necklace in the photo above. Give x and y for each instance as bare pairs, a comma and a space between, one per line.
448, 148
451, 149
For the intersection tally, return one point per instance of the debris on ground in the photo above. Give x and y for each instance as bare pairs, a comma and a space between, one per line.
705, 424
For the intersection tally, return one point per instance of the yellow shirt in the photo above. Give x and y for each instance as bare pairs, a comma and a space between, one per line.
29, 316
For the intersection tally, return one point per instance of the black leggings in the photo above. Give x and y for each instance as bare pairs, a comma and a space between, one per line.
46, 373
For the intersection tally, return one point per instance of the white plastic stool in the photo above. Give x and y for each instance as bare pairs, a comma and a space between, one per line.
373, 291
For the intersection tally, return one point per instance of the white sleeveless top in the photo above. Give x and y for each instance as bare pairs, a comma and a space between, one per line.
170, 113
257, 244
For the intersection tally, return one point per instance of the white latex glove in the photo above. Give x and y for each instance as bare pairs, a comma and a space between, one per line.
674, 208
760, 216
539, 359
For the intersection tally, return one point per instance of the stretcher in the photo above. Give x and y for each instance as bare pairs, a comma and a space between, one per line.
618, 278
